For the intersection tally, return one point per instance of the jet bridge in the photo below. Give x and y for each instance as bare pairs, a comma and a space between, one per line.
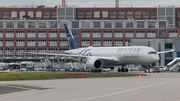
174, 64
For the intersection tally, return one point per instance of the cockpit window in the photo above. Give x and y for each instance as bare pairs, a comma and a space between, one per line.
152, 52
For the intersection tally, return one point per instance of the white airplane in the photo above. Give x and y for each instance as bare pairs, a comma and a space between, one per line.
97, 57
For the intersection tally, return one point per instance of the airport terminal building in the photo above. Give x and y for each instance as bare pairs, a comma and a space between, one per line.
41, 29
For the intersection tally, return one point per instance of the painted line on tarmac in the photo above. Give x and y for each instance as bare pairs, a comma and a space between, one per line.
90, 98
18, 92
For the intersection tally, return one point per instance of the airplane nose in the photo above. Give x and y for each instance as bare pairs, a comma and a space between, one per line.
155, 58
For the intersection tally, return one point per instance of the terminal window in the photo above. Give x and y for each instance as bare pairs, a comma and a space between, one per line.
129, 34
33, 50
96, 43
22, 14
85, 34
63, 42
1, 34
145, 13
129, 13
140, 24
31, 34
107, 24
107, 34
121, 14
63, 34
107, 42
38, 14
53, 24
118, 24
1, 42
20, 42
13, 14
105, 14
96, 14
46, 14
96, 34
53, 43
112, 14
30, 14
1, 52
129, 24
85, 43
5, 14
20, 24
151, 34
118, 34
97, 24
42, 24
118, 42
1, 23
173, 34
53, 34
54, 14
10, 24
42, 34
140, 34
80, 14
88, 14
31, 24
137, 13
9, 34
31, 42
153, 13
42, 43
9, 43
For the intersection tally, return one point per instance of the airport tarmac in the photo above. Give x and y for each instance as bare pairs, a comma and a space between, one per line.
153, 87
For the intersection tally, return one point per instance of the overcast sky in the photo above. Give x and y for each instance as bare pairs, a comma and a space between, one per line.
91, 3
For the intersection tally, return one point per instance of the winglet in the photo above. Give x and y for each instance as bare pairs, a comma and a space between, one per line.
173, 48
71, 41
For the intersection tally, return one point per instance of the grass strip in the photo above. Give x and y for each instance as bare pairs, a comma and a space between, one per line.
44, 76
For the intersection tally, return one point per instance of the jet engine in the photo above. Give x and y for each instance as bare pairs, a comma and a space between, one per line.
94, 64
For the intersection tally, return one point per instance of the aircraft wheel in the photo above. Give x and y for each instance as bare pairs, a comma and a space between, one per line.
122, 69
92, 71
119, 70
126, 69
99, 71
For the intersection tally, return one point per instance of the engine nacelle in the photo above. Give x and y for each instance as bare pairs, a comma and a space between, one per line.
148, 66
94, 64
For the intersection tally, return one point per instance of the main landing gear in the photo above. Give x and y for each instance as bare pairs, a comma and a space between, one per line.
123, 69
96, 71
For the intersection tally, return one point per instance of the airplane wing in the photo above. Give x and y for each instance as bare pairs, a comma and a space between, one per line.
58, 52
172, 50
73, 56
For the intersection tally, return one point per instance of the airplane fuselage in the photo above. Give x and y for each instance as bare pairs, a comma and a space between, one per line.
125, 55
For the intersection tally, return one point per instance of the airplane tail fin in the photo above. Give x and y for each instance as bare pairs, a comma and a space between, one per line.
71, 41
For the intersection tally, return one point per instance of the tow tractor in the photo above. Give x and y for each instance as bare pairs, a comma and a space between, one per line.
156, 70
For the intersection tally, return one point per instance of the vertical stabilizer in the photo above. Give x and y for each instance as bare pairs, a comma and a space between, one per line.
71, 41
